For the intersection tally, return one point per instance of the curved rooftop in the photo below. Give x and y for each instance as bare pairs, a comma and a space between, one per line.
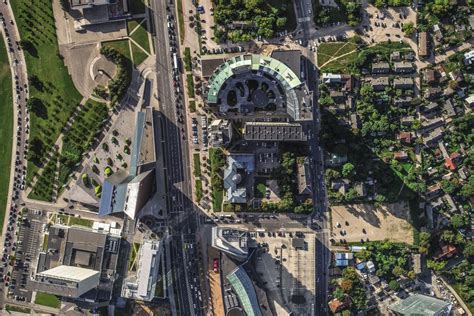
243, 286
276, 85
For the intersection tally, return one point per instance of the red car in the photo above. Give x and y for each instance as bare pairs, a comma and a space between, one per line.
216, 265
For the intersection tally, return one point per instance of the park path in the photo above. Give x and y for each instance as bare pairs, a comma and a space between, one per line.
57, 146
338, 57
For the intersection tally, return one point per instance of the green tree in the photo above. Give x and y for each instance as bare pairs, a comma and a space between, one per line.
394, 285
348, 170
338, 293
398, 271
469, 249
436, 265
408, 29
457, 221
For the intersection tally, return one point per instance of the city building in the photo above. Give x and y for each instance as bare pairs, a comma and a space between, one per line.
68, 281
90, 12
127, 192
423, 44
141, 286
231, 241
220, 133
274, 132
237, 177
243, 286
249, 86
304, 176
418, 304
79, 264
380, 68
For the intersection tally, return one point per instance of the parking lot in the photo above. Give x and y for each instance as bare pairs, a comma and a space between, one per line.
27, 249
288, 272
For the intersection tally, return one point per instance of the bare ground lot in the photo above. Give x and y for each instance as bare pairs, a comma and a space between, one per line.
390, 221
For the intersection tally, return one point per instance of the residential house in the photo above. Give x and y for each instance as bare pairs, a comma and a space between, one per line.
438, 35
470, 101
334, 160
433, 191
336, 305
337, 96
429, 76
395, 56
380, 83
449, 108
403, 67
410, 56
432, 93
451, 162
400, 155
469, 58
404, 137
430, 125
432, 138
403, 83
403, 101
380, 68
448, 92
330, 78
348, 82
407, 120
355, 121
370, 266
456, 75
423, 44
360, 188
430, 109
446, 252
340, 186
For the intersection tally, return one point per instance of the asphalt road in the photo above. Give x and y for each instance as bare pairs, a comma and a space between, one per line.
174, 144
21, 126
320, 214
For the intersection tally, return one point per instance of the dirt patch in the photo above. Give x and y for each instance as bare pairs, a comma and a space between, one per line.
390, 221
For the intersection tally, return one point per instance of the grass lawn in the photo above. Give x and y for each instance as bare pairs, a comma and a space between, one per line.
136, 6
80, 221
180, 20
217, 157
6, 128
132, 24
133, 255
160, 288
139, 55
47, 300
45, 242
44, 186
326, 51
192, 106
260, 188
140, 35
340, 65
121, 46
198, 186
13, 308
197, 164
190, 82
52, 86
